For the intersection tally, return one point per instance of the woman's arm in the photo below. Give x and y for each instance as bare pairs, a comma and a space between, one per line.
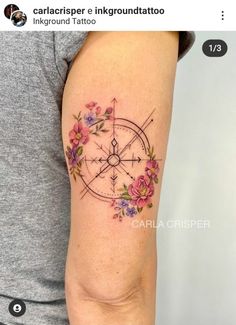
116, 117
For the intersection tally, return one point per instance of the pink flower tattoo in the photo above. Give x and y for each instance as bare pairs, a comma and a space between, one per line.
152, 170
141, 191
79, 134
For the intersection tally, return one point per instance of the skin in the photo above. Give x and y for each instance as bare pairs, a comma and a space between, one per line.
111, 266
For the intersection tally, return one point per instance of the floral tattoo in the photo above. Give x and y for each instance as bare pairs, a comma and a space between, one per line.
110, 174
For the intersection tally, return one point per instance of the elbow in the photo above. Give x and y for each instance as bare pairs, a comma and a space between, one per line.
119, 292
106, 289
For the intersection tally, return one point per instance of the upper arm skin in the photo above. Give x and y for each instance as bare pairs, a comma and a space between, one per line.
107, 258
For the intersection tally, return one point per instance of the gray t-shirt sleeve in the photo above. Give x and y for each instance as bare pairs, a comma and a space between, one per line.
66, 46
186, 40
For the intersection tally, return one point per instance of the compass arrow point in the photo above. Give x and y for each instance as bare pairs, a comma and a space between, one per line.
114, 100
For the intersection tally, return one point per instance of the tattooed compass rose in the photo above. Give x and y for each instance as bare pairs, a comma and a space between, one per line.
117, 153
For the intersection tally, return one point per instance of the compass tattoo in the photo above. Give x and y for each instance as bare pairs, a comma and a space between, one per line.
109, 174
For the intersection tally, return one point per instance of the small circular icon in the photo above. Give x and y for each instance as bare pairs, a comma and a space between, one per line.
18, 18
17, 308
10, 9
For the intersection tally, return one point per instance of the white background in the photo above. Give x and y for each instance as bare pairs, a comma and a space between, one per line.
179, 15
196, 281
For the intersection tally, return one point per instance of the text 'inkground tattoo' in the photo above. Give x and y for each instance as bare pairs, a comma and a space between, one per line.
109, 173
